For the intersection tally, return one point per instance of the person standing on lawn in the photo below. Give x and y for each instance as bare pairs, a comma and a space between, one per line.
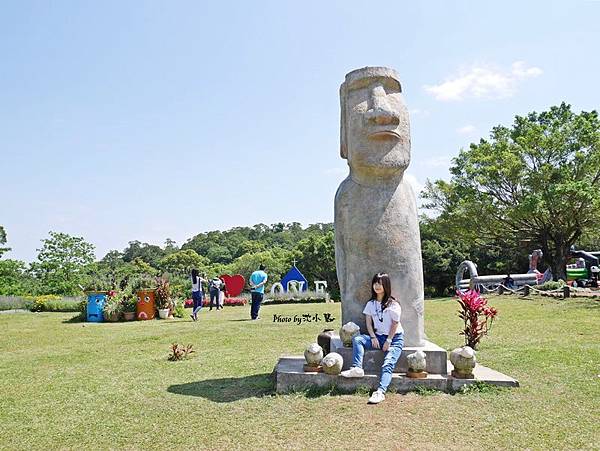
215, 291
257, 281
197, 293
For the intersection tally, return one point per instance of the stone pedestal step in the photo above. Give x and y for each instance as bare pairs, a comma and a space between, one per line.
290, 377
437, 358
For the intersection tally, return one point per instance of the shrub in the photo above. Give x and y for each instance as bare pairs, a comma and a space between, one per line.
304, 297
179, 311
162, 293
180, 352
477, 316
112, 305
41, 303
551, 285
15, 303
63, 305
235, 301
232, 302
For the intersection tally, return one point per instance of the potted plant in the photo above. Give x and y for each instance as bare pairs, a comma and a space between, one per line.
112, 307
162, 295
128, 302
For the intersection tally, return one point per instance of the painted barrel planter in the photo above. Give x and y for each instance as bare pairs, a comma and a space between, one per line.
95, 303
145, 308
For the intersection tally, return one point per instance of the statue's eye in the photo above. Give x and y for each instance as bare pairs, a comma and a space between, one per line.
147, 298
391, 86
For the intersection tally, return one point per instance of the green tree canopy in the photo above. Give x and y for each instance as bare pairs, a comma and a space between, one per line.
182, 262
316, 260
538, 180
278, 262
14, 278
150, 253
3, 241
61, 263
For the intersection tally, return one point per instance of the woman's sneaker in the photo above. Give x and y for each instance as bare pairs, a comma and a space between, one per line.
377, 397
353, 372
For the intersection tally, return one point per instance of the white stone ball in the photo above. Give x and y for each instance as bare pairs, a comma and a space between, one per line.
467, 352
347, 333
463, 359
313, 354
417, 361
332, 363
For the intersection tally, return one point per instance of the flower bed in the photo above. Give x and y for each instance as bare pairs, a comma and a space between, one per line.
232, 302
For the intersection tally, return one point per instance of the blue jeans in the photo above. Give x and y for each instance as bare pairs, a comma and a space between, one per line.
214, 296
256, 300
197, 298
360, 343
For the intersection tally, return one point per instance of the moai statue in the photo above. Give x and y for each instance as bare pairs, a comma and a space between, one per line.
376, 224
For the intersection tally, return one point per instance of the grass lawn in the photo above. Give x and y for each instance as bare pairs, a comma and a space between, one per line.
88, 386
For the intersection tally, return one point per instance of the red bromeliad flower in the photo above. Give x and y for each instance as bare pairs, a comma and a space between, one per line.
477, 316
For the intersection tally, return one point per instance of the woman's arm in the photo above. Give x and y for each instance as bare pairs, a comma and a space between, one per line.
393, 329
374, 341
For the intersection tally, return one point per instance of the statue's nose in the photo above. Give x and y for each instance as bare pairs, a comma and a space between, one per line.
379, 111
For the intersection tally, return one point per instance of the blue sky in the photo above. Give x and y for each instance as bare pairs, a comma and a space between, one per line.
149, 120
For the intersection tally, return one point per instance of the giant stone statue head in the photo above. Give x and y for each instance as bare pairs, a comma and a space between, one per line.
375, 132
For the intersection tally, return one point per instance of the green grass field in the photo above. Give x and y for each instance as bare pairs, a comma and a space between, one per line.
72, 385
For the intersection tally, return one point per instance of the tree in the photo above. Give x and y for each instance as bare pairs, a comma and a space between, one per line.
441, 258
61, 263
538, 180
150, 253
277, 261
14, 279
3, 241
182, 262
317, 260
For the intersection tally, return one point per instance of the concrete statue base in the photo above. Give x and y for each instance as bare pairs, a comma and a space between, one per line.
437, 358
290, 377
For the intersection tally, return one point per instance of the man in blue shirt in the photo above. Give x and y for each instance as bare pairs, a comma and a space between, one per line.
258, 279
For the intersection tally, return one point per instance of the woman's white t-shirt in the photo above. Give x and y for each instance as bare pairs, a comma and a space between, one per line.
391, 313
196, 286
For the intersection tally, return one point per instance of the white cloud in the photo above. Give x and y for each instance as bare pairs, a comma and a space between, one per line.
466, 130
418, 112
483, 82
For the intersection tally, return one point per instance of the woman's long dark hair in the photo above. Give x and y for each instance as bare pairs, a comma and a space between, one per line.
195, 275
384, 280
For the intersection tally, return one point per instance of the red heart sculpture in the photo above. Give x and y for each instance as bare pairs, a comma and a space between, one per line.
235, 284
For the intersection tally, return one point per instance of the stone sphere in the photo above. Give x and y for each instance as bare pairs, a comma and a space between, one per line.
332, 363
416, 361
463, 359
313, 354
347, 333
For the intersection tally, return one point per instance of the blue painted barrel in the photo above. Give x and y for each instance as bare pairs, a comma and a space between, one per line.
95, 304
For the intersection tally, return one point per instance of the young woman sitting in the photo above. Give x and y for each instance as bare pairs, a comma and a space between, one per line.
382, 314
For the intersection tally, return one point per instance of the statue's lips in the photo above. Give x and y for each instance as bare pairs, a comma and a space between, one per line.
384, 134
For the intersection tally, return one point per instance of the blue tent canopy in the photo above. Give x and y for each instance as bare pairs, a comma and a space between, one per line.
294, 274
